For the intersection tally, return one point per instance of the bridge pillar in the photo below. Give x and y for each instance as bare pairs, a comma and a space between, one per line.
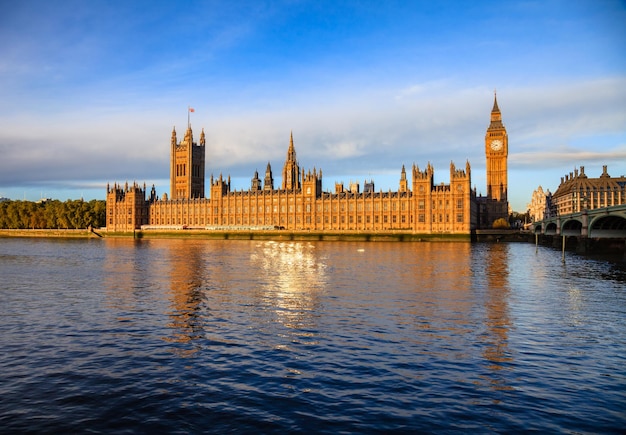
584, 231
558, 225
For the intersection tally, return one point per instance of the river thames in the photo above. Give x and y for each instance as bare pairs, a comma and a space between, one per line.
192, 336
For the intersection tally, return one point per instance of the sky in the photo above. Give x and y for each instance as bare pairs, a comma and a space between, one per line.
91, 90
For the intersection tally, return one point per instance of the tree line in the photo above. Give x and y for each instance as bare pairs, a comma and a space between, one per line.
52, 214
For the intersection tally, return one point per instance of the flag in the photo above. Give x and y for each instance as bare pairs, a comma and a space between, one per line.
191, 109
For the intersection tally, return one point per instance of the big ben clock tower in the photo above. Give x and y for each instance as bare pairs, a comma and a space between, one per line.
497, 151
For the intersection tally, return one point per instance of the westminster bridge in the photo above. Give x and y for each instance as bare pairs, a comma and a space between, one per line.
598, 230
599, 223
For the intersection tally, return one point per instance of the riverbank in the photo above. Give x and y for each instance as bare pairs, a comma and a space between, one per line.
59, 233
285, 235
387, 236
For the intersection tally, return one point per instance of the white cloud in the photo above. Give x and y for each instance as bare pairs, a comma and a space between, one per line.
365, 135
564, 157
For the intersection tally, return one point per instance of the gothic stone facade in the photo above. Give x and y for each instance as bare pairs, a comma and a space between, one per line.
419, 205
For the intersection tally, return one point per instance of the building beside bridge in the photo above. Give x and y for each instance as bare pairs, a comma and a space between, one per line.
419, 205
578, 192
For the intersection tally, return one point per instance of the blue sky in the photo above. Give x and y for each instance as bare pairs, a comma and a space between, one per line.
90, 90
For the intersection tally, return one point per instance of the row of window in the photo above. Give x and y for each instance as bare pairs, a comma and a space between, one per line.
129, 211
421, 218
441, 218
600, 189
440, 204
335, 208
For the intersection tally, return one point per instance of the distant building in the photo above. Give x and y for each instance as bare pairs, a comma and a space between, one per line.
419, 205
537, 206
578, 192
550, 209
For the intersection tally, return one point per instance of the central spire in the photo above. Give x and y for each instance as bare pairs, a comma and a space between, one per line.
495, 103
291, 170
291, 152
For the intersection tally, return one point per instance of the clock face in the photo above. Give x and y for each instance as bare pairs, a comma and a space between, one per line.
496, 144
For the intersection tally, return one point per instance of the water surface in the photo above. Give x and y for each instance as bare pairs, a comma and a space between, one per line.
188, 336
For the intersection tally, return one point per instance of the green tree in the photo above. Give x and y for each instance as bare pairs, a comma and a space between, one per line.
501, 223
3, 214
15, 215
99, 212
51, 214
74, 214
37, 217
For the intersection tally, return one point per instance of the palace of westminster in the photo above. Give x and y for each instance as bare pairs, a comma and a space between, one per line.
299, 203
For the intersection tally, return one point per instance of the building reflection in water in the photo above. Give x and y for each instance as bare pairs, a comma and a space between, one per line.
217, 285
438, 276
129, 278
436, 297
497, 321
460, 295
169, 272
186, 267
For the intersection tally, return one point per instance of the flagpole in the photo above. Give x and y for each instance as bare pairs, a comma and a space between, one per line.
189, 110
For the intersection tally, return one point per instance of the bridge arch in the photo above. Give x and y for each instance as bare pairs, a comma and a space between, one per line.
537, 229
550, 228
572, 227
608, 226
